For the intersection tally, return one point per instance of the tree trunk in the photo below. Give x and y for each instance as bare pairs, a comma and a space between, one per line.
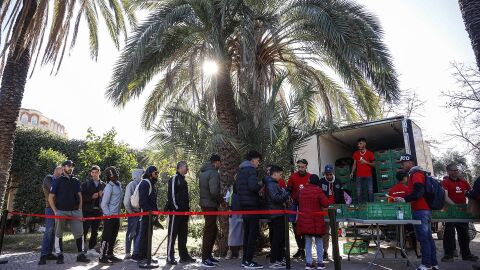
471, 17
226, 114
14, 78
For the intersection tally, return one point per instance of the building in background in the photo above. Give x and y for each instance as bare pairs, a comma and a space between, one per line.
35, 119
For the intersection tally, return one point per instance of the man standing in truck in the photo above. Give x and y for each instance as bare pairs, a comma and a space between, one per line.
363, 162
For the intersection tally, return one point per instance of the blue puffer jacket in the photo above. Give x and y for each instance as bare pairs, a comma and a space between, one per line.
275, 195
248, 187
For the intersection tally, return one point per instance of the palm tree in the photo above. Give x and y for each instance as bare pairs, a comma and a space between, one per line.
471, 16
252, 42
26, 23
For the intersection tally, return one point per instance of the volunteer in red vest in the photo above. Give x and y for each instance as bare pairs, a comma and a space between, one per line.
456, 188
363, 162
420, 211
297, 181
401, 188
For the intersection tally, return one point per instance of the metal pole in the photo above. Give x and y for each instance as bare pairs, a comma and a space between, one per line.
3, 225
287, 242
337, 260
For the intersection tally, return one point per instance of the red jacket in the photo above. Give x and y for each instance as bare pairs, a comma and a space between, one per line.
311, 199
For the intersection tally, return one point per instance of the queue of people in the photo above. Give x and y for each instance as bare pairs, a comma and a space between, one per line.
304, 192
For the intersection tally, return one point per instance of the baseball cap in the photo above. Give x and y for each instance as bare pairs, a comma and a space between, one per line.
68, 163
328, 168
406, 157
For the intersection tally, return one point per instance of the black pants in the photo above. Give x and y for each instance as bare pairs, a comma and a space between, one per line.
300, 239
93, 225
109, 236
251, 229
142, 249
210, 231
177, 226
278, 239
449, 244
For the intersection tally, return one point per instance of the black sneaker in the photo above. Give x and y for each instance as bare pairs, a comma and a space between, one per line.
172, 262
208, 264
188, 260
114, 259
243, 263
447, 258
214, 261
60, 259
471, 258
82, 258
252, 265
51, 257
104, 260
300, 254
325, 256
310, 266
43, 260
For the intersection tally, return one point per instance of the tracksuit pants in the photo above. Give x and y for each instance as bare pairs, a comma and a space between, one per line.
109, 236
177, 227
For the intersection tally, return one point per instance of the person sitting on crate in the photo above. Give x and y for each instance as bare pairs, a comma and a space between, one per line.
363, 162
311, 199
332, 188
456, 188
401, 190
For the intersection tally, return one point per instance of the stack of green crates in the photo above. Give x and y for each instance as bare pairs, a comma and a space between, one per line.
380, 197
386, 167
384, 211
458, 211
342, 173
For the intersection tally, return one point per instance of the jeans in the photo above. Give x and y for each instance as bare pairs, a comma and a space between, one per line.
277, 252
49, 234
424, 236
449, 244
308, 248
251, 229
132, 234
361, 182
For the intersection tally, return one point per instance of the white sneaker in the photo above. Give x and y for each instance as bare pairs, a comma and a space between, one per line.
229, 255
423, 267
93, 252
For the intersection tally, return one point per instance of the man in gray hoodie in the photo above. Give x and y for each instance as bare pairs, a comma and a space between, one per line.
133, 227
111, 204
210, 200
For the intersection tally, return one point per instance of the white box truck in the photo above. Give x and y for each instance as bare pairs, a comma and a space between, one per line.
390, 133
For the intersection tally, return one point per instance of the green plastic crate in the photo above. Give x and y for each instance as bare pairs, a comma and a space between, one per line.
344, 179
396, 166
396, 153
382, 155
343, 171
386, 174
384, 211
350, 211
385, 184
458, 211
359, 248
383, 165
340, 209
379, 197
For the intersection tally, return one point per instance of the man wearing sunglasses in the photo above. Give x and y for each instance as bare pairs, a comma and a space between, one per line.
456, 188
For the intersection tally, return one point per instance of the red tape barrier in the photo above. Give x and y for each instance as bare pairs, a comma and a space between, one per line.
171, 213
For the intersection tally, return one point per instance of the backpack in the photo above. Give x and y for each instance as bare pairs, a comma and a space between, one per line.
434, 192
135, 198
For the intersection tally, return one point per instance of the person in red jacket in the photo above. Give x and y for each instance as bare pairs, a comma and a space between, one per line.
297, 181
312, 199
456, 188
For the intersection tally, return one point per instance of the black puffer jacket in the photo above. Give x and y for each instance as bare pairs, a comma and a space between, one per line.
248, 187
275, 196
178, 198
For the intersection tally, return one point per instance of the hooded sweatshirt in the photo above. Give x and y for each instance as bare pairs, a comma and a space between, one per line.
333, 190
209, 186
248, 186
137, 177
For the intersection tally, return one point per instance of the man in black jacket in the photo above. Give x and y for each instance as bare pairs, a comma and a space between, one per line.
248, 189
178, 200
334, 192
92, 192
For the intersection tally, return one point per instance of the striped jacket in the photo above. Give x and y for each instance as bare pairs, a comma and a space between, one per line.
178, 198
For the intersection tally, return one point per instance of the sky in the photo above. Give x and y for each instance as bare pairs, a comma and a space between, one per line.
424, 37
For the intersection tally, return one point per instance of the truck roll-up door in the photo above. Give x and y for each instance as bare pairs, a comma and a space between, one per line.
418, 147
